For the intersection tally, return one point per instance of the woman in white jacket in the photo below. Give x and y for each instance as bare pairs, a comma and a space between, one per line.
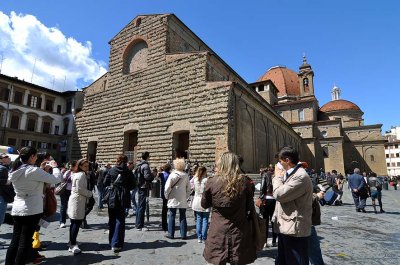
77, 202
28, 181
202, 215
177, 190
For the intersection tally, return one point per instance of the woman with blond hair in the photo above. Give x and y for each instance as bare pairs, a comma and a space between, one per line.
230, 195
77, 202
177, 190
202, 215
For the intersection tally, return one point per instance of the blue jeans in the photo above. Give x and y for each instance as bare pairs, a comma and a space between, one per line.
182, 222
116, 225
133, 199
314, 248
3, 209
100, 194
64, 205
292, 250
141, 208
202, 224
74, 230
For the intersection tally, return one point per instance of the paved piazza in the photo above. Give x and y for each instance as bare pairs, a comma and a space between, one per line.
355, 238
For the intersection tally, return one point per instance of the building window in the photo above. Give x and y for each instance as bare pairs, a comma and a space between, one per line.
396, 146
18, 97
43, 145
4, 93
55, 146
59, 109
56, 129
397, 154
34, 101
261, 88
66, 124
49, 104
31, 124
14, 124
387, 155
12, 141
386, 147
392, 155
325, 151
135, 57
69, 106
301, 114
305, 81
398, 164
393, 164
372, 158
46, 126
388, 164
28, 143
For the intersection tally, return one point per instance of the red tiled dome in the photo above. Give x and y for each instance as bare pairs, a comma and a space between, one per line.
285, 80
340, 104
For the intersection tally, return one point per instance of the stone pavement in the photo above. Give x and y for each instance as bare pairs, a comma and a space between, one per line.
355, 238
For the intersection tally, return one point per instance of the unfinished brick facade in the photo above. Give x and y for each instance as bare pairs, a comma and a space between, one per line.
172, 92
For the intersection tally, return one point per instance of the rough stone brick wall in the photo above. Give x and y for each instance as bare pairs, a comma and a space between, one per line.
171, 89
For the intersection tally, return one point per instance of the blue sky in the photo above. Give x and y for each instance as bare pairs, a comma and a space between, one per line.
354, 44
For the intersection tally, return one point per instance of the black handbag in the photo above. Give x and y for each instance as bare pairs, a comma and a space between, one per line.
7, 192
112, 195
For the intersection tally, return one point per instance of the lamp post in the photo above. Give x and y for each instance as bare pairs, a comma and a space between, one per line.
3, 136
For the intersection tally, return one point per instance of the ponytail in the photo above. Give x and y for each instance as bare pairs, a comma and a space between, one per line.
24, 154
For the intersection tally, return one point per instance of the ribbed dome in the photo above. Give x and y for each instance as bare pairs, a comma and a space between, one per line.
285, 80
340, 104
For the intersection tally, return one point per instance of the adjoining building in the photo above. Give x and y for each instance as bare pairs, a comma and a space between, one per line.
334, 135
392, 151
32, 115
166, 91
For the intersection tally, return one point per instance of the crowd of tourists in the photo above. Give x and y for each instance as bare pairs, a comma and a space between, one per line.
222, 200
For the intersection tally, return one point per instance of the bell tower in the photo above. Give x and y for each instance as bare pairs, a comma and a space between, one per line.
306, 79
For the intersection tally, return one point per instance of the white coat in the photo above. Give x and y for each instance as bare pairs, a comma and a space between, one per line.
28, 182
79, 196
177, 192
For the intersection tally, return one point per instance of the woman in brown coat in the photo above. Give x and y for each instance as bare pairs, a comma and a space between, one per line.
231, 197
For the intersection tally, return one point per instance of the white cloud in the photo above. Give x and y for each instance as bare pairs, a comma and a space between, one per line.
24, 40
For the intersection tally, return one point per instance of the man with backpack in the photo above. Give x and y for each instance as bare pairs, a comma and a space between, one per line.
144, 177
375, 185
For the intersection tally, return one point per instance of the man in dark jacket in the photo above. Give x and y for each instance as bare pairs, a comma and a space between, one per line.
121, 179
145, 177
4, 163
357, 186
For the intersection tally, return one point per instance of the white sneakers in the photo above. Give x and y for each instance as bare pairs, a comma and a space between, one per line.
199, 241
62, 225
74, 249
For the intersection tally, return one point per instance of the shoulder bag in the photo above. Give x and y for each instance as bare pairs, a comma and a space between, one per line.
60, 189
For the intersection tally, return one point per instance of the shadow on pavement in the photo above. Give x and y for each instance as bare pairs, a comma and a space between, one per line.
79, 259
396, 213
269, 253
153, 245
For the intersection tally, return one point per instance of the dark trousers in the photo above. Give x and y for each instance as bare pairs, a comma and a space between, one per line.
64, 205
292, 250
164, 212
268, 211
100, 195
140, 211
116, 226
21, 242
73, 231
359, 200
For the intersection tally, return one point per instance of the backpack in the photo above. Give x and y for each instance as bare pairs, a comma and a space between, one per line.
113, 194
138, 177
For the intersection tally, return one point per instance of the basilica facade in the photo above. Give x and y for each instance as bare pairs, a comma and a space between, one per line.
167, 92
